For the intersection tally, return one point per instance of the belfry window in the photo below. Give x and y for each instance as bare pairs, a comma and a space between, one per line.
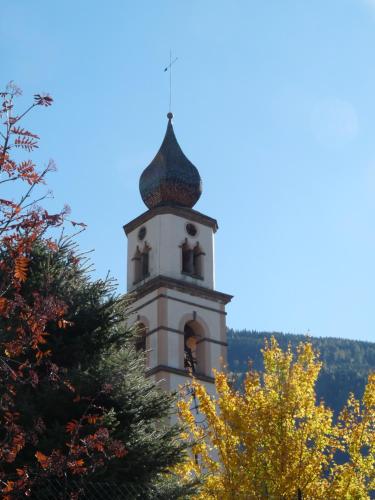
141, 263
140, 342
137, 265
187, 258
198, 260
145, 263
190, 349
140, 339
194, 348
192, 260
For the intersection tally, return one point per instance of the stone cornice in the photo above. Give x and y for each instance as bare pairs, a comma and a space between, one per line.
179, 332
181, 286
179, 371
186, 213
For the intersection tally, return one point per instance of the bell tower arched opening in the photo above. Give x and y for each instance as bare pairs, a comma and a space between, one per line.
198, 261
187, 258
192, 260
141, 261
194, 356
140, 339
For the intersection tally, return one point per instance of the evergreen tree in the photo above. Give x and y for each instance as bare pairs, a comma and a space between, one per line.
96, 350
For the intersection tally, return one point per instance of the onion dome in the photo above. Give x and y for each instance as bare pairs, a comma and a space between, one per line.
170, 179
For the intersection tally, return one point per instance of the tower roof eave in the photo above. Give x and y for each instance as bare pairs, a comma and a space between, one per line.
184, 212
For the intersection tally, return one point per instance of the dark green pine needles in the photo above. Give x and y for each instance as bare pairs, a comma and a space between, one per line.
96, 350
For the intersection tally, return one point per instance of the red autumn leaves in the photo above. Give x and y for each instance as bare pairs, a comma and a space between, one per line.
25, 356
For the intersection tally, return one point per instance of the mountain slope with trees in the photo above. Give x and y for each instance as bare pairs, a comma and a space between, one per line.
346, 363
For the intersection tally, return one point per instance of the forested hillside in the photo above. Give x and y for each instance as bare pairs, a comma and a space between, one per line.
346, 363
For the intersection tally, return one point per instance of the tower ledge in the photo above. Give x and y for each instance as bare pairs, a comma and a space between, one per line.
189, 288
176, 371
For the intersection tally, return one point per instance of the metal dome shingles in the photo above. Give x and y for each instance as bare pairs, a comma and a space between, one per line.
170, 179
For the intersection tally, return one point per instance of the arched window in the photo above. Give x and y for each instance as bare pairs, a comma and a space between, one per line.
141, 263
194, 348
187, 258
140, 339
137, 265
198, 261
140, 343
190, 348
145, 261
192, 260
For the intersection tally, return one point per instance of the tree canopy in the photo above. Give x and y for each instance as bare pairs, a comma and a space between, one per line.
274, 440
346, 363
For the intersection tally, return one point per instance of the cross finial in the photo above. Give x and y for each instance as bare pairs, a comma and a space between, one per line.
169, 68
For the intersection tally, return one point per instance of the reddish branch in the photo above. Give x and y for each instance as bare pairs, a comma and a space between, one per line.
24, 352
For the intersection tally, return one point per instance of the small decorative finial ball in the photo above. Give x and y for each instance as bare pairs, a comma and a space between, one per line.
170, 116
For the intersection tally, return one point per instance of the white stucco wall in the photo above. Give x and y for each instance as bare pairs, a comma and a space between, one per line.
165, 312
165, 233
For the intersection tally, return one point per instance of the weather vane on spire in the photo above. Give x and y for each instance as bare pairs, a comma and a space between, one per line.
169, 68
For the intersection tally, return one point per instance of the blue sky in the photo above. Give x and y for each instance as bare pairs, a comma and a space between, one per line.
274, 102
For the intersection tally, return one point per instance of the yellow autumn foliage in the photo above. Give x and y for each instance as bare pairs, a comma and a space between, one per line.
273, 440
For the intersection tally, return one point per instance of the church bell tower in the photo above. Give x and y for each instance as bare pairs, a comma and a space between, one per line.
171, 273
